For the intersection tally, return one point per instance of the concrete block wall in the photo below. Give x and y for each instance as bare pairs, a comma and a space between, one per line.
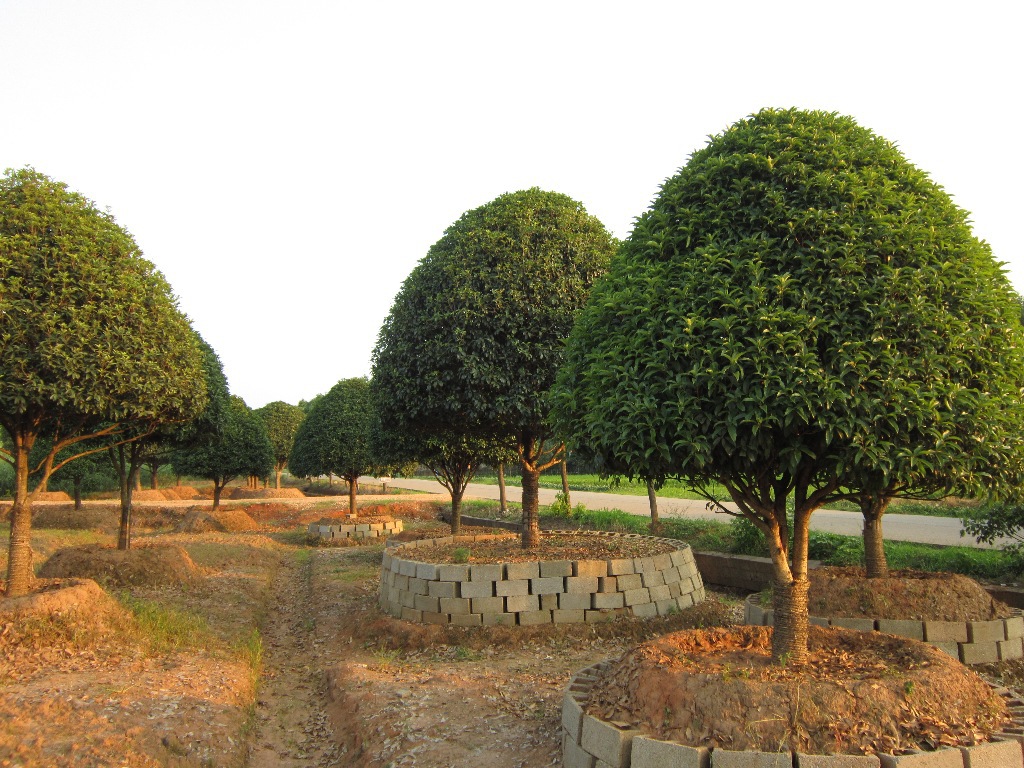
537, 592
972, 642
589, 742
355, 530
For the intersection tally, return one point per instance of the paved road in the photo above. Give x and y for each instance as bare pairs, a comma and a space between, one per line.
918, 528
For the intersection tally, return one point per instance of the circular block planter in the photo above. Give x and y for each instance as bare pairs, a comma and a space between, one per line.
356, 530
972, 642
587, 741
538, 592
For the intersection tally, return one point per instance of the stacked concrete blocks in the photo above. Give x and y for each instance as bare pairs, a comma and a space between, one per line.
589, 742
355, 530
972, 642
538, 592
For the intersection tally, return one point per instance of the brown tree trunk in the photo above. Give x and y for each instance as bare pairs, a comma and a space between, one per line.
502, 495
78, 492
128, 477
20, 577
875, 562
217, 488
531, 506
353, 489
277, 474
154, 481
565, 485
456, 512
791, 625
652, 498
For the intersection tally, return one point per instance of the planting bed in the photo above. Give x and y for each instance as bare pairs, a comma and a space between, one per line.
365, 530
538, 591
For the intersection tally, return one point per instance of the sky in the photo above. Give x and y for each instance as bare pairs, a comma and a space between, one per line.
286, 164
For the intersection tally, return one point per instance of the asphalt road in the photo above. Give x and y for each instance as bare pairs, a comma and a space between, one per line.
917, 528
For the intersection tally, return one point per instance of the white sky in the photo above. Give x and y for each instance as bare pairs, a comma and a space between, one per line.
286, 164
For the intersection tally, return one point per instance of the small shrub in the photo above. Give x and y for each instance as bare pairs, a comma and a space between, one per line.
460, 555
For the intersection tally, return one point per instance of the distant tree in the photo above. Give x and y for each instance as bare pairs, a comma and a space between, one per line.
335, 436
242, 449
801, 316
282, 422
476, 333
93, 344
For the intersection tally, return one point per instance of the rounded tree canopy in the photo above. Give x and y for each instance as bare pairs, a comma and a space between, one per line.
90, 330
282, 420
800, 298
477, 331
334, 438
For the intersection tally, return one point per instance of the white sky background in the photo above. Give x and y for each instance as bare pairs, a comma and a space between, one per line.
286, 164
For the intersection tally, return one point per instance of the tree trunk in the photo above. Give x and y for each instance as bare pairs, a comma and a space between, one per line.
128, 475
502, 496
20, 578
78, 492
154, 481
277, 473
457, 512
652, 498
791, 625
217, 488
875, 562
531, 505
353, 489
137, 483
565, 485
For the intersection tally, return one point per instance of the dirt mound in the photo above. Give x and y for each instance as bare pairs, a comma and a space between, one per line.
904, 595
138, 567
222, 521
267, 493
53, 496
90, 518
719, 688
183, 492
58, 596
409, 510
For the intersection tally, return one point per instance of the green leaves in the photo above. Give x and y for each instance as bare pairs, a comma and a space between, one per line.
335, 437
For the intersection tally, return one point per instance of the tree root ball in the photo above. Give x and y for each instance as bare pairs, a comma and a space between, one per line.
860, 693
138, 567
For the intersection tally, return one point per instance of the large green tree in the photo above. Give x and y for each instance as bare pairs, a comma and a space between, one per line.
92, 343
242, 449
801, 316
282, 420
335, 437
477, 331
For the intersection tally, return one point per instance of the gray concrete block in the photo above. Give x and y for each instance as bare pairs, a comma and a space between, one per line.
551, 585
681, 556
574, 756
534, 617
609, 614
453, 573
411, 614
686, 601
575, 602
570, 616
630, 581
426, 571
643, 564
837, 761
467, 619
487, 605
1014, 627
671, 575
454, 605
607, 741
653, 578
666, 607
609, 600
555, 568
1010, 649
645, 610
851, 622
572, 716
590, 568
979, 653
430, 617
442, 589
477, 589
994, 754
522, 571
407, 567
945, 632
485, 572
953, 649
620, 567
637, 596
660, 592
418, 586
518, 603
581, 584
426, 603
727, 758
549, 602
912, 629
663, 561
512, 588
608, 584
651, 753
985, 631
502, 619
942, 758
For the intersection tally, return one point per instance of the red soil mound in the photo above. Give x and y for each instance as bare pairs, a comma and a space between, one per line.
140, 566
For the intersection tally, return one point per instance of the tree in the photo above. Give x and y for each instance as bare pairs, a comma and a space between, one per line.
476, 333
242, 449
801, 316
92, 343
335, 436
282, 421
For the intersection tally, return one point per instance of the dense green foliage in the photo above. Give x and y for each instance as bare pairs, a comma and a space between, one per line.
477, 331
282, 421
801, 313
242, 449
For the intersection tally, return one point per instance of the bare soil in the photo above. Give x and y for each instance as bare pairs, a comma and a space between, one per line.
199, 521
170, 677
904, 595
141, 566
860, 693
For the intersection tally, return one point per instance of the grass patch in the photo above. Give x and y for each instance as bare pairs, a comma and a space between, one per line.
673, 489
166, 629
46, 541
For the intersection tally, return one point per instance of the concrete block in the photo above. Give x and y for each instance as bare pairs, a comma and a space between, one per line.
559, 616
985, 631
574, 756
486, 572
945, 632
467, 619
534, 617
512, 588
663, 561
637, 596
1014, 627
407, 567
630, 581
681, 556
519, 603
418, 586
643, 564
753, 613
572, 716
442, 589
574, 602
912, 629
849, 622
453, 573
666, 607
651, 753
607, 741
454, 605
727, 758
385, 562
377, 527
517, 571
953, 649
671, 575
581, 584
411, 614
430, 617
426, 571
818, 621
401, 582
620, 567
837, 761
685, 601
547, 585
979, 653
362, 527
590, 568
596, 616
610, 600
674, 590
555, 568
1010, 649
503, 619
608, 584
407, 599
645, 610
549, 602
426, 603
660, 592
477, 589
994, 754
653, 578
942, 758
487, 605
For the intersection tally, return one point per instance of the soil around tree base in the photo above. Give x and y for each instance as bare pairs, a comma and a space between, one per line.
860, 693
148, 566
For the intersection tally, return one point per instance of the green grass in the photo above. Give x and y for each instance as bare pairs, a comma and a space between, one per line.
166, 629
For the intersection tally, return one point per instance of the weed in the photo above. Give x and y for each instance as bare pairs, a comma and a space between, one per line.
460, 555
163, 628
